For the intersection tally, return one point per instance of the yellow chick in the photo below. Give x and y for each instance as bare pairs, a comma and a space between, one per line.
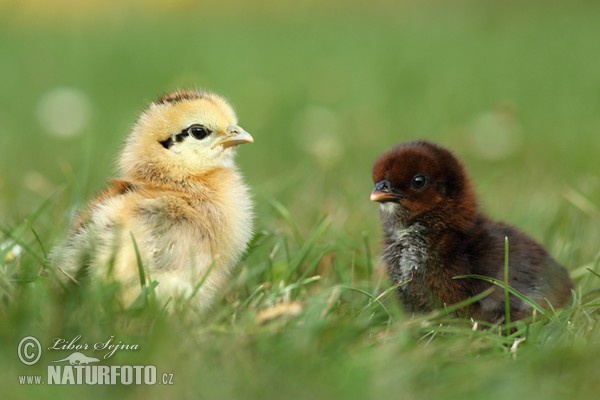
181, 198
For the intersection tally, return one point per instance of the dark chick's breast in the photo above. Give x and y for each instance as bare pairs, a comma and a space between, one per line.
410, 274
423, 276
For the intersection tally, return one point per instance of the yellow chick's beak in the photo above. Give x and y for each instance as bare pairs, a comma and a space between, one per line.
235, 136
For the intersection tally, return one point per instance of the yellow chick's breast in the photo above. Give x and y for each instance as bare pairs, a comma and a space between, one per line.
182, 234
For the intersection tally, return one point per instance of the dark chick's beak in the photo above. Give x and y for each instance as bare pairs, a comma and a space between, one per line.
236, 136
383, 192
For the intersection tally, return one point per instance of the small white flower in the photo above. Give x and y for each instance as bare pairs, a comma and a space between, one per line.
14, 251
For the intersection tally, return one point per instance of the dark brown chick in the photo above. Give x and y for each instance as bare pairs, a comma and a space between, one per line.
434, 232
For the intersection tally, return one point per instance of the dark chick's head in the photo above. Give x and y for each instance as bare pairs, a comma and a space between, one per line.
423, 182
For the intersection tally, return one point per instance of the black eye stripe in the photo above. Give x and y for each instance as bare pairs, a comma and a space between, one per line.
167, 143
180, 136
197, 131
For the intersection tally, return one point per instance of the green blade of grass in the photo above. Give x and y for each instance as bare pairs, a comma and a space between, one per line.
506, 293
257, 292
511, 290
40, 258
38, 240
593, 272
201, 282
287, 216
296, 285
368, 256
451, 308
140, 265
372, 299
307, 247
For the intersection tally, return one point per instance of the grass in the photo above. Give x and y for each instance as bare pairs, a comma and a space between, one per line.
512, 88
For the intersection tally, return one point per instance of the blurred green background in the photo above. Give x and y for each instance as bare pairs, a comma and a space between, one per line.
512, 87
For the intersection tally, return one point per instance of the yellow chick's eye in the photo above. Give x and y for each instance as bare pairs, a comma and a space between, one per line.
198, 131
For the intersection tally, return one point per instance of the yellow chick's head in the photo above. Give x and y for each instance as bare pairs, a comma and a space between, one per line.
182, 134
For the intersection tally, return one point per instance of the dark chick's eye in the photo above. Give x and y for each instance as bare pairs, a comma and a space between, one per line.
198, 131
419, 182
